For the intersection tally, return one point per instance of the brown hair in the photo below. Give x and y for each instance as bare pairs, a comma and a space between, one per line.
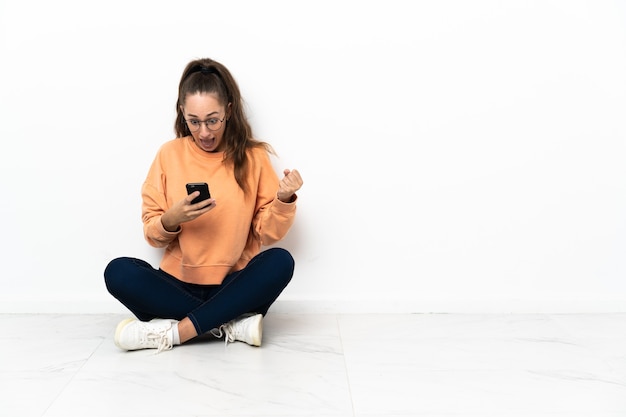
208, 76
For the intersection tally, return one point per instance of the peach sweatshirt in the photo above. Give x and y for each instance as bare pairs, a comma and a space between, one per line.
207, 248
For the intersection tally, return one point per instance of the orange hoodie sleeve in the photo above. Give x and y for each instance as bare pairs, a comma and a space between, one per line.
154, 204
273, 218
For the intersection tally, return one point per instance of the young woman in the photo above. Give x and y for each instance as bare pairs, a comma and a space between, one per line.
213, 276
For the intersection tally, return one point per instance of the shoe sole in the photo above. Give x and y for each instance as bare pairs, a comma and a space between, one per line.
118, 331
256, 341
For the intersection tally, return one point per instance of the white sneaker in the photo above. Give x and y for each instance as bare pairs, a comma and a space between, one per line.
248, 329
132, 334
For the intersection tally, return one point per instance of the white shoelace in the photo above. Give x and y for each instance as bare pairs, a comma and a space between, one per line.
227, 330
164, 343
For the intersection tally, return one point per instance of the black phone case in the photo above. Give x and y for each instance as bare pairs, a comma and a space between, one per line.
203, 187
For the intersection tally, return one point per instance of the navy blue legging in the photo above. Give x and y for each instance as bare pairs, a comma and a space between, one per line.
152, 293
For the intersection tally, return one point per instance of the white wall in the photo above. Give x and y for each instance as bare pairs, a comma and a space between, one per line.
458, 156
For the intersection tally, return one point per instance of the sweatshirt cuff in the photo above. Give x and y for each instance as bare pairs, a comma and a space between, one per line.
285, 207
165, 233
294, 197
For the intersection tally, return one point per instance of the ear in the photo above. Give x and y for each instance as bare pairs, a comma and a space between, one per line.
228, 110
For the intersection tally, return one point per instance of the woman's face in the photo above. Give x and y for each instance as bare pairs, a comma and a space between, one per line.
206, 119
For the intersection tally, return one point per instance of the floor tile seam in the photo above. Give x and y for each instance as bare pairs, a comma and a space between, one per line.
345, 365
73, 377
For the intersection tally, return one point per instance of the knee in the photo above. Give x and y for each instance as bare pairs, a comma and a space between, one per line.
284, 262
114, 272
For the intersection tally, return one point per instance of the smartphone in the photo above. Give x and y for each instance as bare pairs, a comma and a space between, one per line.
203, 187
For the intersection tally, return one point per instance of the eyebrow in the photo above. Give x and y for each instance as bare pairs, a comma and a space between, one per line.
210, 114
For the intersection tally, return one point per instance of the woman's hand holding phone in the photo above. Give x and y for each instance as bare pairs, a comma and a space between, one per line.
197, 202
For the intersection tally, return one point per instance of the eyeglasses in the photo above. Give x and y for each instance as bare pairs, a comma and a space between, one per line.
212, 124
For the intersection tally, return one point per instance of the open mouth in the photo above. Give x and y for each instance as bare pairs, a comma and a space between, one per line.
207, 143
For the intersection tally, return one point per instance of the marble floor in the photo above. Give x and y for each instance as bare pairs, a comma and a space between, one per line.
388, 365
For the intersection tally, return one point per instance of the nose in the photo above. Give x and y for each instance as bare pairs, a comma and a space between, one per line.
204, 129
